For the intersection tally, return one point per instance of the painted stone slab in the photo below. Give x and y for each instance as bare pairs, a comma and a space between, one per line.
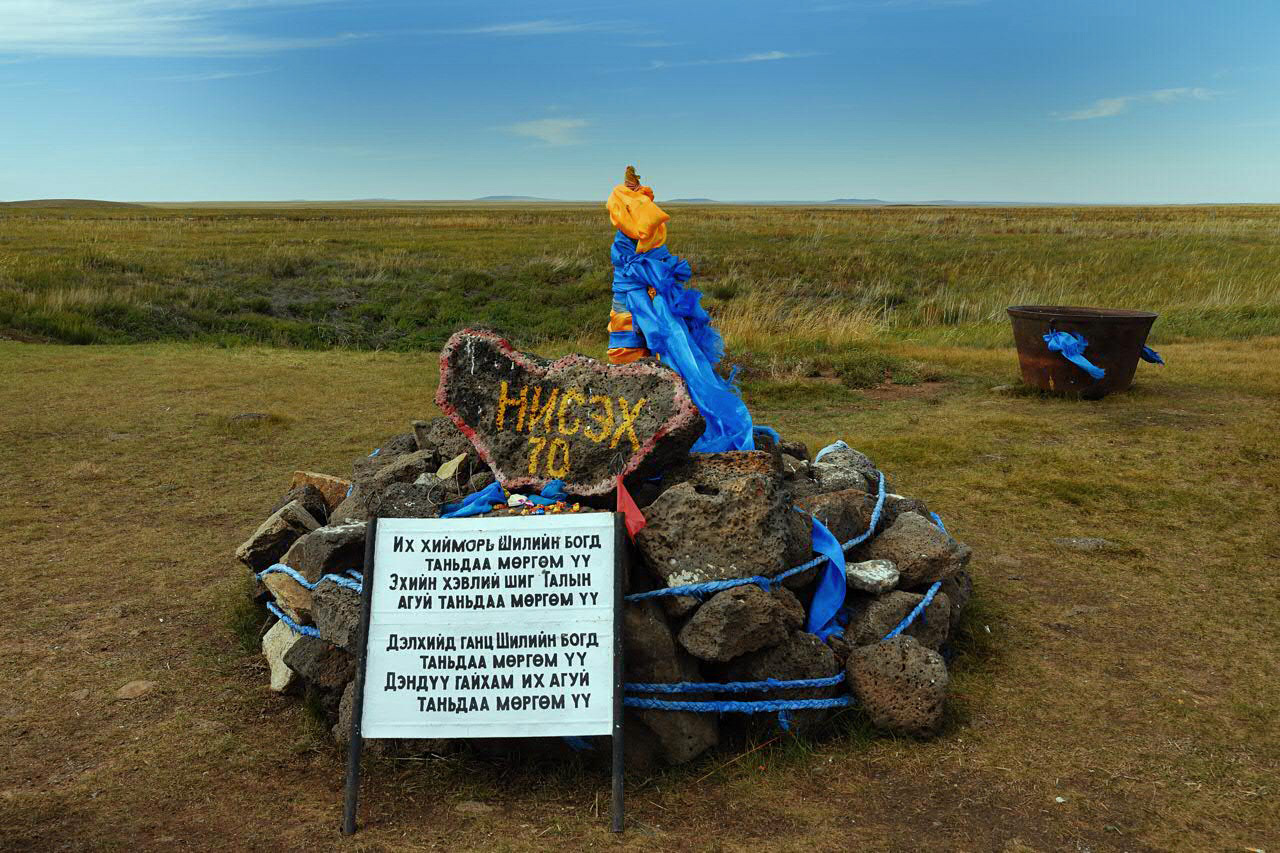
575, 419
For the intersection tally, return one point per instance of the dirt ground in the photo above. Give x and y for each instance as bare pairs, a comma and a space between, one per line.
1126, 698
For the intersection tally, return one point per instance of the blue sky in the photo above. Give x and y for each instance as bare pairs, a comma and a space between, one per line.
1015, 100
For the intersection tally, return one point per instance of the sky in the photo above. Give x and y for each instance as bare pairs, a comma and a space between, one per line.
906, 100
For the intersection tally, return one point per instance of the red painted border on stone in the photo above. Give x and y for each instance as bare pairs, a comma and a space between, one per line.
685, 408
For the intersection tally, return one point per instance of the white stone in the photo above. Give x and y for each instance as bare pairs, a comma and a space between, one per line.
874, 576
275, 644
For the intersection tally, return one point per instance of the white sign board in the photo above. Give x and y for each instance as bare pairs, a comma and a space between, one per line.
491, 627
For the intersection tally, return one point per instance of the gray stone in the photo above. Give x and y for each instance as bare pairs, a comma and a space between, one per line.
420, 499
793, 468
311, 498
334, 548
921, 551
321, 664
896, 505
873, 576
845, 468
837, 478
699, 533
441, 435
276, 643
797, 449
871, 619
336, 612
346, 706
575, 419
800, 656
274, 536
846, 513
740, 620
900, 684
958, 589
652, 656
405, 468
386, 453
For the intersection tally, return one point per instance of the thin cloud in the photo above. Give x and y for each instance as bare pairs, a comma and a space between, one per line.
866, 5
553, 131
142, 28
211, 75
766, 56
543, 27
1108, 107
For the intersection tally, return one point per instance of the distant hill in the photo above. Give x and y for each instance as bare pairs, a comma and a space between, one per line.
512, 198
68, 202
691, 201
856, 201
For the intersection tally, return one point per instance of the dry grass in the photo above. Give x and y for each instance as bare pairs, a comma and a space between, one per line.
1138, 683
403, 276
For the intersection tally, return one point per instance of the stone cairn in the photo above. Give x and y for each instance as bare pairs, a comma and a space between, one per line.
525, 421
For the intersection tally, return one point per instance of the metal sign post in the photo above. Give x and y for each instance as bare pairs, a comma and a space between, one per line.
490, 627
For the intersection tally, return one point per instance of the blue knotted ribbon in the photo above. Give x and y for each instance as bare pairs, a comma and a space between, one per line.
678, 329
1072, 347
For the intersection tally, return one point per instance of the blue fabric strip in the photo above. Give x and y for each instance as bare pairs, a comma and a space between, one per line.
832, 587
476, 503
677, 328
625, 339
1072, 347
1150, 355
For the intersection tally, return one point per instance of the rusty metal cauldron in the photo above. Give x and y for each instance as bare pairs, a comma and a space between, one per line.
1115, 340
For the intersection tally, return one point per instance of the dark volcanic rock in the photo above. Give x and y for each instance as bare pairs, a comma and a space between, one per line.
800, 656
321, 664
740, 620
386, 453
712, 470
896, 505
443, 436
872, 619
901, 685
652, 657
921, 551
275, 535
698, 533
574, 419
311, 498
422, 498
329, 549
336, 611
958, 589
845, 513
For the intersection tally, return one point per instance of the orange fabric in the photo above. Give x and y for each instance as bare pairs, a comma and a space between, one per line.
634, 213
620, 321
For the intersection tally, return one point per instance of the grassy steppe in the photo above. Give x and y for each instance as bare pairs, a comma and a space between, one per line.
1140, 683
404, 278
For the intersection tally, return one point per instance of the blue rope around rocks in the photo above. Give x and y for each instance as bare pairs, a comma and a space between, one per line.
915, 611
281, 568
305, 630
733, 686
699, 590
730, 706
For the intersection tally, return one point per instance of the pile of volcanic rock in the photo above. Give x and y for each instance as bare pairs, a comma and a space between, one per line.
709, 516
